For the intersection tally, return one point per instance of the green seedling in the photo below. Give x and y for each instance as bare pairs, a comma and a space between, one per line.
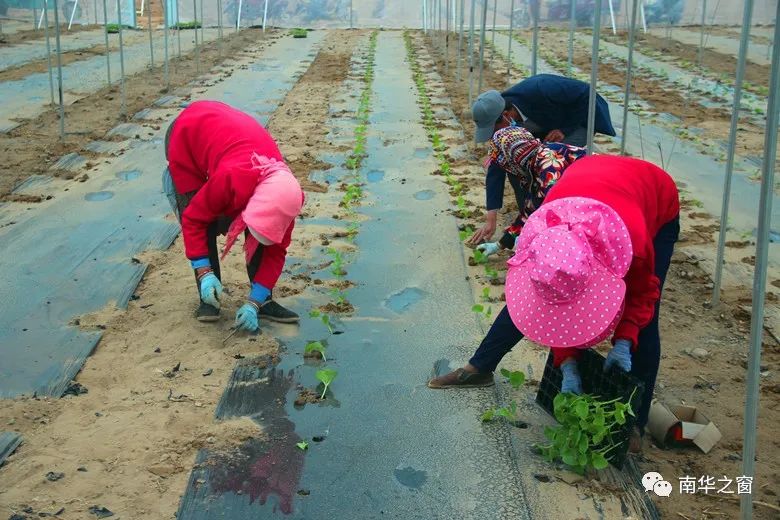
465, 233
490, 272
324, 318
315, 346
303, 445
188, 25
585, 436
516, 378
478, 308
480, 257
326, 377
338, 295
507, 412
337, 263
486, 294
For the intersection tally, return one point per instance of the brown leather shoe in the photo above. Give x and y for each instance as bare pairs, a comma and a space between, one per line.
460, 378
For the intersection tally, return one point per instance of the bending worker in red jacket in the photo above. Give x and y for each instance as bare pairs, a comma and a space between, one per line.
589, 263
226, 175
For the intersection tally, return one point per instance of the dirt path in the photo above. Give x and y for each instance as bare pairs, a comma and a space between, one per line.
154, 382
35, 146
714, 383
33, 35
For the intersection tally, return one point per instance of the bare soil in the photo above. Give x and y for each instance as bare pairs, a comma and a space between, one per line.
34, 146
31, 35
715, 384
34, 67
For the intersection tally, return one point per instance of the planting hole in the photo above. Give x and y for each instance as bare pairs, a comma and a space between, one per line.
424, 195
410, 477
422, 153
129, 175
97, 196
375, 175
402, 300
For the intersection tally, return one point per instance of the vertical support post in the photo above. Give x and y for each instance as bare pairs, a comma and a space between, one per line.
108, 46
94, 9
166, 72
350, 14
202, 25
178, 32
460, 35
572, 28
482, 45
535, 38
151, 33
447, 40
612, 17
123, 94
629, 64
197, 49
471, 52
701, 33
265, 14
744, 42
58, 49
48, 48
642, 12
238, 16
72, 14
594, 75
759, 278
493, 34
219, 25
509, 48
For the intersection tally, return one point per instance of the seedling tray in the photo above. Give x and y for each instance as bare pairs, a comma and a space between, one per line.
606, 385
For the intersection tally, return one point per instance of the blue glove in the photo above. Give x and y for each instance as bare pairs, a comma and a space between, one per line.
489, 248
620, 355
571, 377
210, 289
246, 317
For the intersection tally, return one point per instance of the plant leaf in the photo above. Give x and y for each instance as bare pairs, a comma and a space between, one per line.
315, 345
570, 457
477, 308
326, 375
581, 409
598, 461
303, 445
487, 415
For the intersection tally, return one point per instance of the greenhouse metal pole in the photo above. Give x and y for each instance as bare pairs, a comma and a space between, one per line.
460, 36
471, 52
219, 25
642, 12
265, 14
482, 45
612, 17
151, 35
48, 48
594, 75
509, 48
238, 16
94, 9
197, 49
350, 14
447, 40
166, 72
424, 7
202, 25
493, 34
108, 52
122, 95
178, 33
535, 38
572, 28
701, 33
627, 93
73, 14
752, 380
744, 41
58, 48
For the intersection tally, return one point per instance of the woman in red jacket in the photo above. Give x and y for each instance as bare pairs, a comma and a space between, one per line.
226, 175
589, 263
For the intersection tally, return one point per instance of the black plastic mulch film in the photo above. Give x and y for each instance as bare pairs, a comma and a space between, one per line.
606, 385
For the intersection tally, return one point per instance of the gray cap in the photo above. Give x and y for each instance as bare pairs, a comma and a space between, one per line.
485, 112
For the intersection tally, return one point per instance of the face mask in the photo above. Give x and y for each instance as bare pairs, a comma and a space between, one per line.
511, 121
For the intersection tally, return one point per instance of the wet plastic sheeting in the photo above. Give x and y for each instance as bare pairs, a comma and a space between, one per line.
391, 448
9, 441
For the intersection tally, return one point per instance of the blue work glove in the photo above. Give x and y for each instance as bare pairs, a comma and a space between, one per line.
489, 248
620, 355
571, 377
210, 289
246, 317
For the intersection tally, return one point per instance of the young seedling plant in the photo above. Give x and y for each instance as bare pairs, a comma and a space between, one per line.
315, 346
478, 308
326, 377
516, 379
480, 257
337, 263
466, 233
486, 294
303, 445
324, 318
586, 434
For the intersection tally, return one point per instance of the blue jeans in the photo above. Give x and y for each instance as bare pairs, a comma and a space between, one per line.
503, 335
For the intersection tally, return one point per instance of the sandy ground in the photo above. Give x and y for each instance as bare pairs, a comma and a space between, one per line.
35, 145
714, 383
157, 374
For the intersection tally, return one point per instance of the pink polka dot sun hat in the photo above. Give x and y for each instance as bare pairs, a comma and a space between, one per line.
565, 283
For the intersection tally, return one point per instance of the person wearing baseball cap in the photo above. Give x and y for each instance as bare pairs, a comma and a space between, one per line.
590, 263
553, 108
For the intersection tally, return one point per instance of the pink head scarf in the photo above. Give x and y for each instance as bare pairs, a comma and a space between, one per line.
276, 202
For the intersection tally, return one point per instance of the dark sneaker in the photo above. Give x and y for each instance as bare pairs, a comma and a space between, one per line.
460, 378
271, 310
207, 312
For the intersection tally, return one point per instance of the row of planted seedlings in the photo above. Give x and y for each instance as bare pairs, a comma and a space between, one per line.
353, 194
642, 109
589, 428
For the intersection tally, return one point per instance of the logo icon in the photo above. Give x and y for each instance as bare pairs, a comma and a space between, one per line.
649, 480
663, 488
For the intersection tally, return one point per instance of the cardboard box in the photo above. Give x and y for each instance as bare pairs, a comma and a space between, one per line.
682, 426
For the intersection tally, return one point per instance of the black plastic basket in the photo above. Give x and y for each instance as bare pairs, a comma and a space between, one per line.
607, 385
